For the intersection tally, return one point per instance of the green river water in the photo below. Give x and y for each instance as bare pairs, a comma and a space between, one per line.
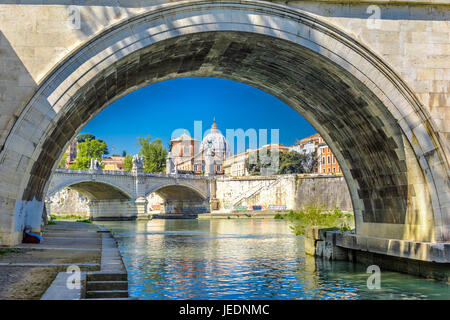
245, 259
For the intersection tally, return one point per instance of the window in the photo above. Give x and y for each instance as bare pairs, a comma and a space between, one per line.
334, 169
323, 160
323, 170
334, 160
329, 170
218, 167
328, 158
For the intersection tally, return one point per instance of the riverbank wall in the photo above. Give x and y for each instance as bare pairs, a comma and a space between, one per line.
429, 260
282, 192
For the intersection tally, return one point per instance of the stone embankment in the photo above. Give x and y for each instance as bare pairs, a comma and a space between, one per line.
110, 281
27, 270
40, 271
429, 260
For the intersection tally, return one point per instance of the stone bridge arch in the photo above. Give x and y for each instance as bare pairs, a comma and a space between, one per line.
181, 197
191, 189
394, 162
93, 189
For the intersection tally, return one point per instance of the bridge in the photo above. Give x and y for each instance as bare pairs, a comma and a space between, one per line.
372, 79
123, 195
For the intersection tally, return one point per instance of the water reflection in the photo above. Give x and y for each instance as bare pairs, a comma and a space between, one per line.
245, 259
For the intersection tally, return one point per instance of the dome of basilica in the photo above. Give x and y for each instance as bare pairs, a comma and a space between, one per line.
219, 145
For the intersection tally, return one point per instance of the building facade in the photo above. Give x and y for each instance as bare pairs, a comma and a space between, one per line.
237, 165
71, 153
188, 156
306, 145
182, 151
114, 163
327, 161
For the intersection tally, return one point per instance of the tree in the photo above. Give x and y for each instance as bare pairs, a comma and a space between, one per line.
258, 160
289, 162
90, 149
154, 154
310, 163
124, 153
294, 162
128, 163
85, 136
106, 151
62, 162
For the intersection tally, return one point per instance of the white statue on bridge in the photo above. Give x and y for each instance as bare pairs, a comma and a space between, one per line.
95, 165
138, 162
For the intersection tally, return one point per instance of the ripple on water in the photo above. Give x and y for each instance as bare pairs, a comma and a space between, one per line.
245, 259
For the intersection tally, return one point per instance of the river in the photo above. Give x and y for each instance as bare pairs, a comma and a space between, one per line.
245, 259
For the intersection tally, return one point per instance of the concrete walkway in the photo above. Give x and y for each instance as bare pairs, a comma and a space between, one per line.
111, 263
27, 270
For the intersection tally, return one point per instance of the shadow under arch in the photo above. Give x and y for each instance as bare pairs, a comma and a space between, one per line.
387, 145
93, 190
177, 191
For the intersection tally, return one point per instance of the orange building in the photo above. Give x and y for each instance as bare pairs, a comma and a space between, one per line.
327, 161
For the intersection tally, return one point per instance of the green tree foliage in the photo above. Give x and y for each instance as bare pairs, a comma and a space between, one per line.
294, 162
316, 215
87, 150
62, 162
154, 153
89, 136
128, 163
289, 162
257, 160
85, 136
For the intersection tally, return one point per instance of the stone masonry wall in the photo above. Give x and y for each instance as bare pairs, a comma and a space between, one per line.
67, 201
330, 191
282, 192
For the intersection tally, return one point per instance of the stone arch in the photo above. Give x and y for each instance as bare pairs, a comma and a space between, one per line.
87, 187
190, 188
394, 162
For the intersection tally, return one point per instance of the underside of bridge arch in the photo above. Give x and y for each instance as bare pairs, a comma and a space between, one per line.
182, 199
99, 191
179, 192
387, 187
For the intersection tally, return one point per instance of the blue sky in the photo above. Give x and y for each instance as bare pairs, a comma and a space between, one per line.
157, 110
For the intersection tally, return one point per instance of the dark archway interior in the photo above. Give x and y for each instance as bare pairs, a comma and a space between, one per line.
176, 192
366, 139
99, 191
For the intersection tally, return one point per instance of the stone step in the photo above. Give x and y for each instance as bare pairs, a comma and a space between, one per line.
107, 294
101, 276
106, 285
